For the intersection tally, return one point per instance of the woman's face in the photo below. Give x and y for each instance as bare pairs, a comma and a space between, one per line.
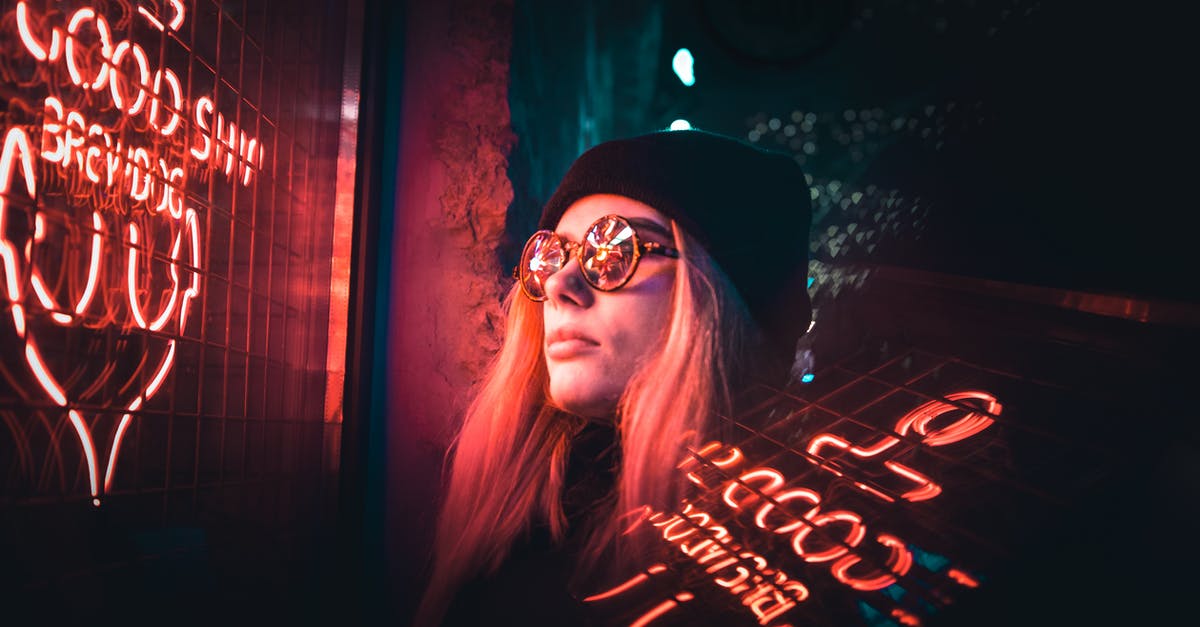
595, 340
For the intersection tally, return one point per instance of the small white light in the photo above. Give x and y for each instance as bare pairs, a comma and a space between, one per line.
680, 125
682, 64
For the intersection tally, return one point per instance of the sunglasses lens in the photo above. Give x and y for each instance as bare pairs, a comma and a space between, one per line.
609, 253
543, 256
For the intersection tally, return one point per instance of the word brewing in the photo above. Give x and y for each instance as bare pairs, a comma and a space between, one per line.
120, 73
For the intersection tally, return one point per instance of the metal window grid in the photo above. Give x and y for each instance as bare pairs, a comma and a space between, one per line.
237, 438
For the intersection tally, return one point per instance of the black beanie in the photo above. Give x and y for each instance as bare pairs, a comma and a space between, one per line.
749, 207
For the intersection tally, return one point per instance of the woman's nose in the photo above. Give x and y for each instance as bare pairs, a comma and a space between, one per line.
567, 287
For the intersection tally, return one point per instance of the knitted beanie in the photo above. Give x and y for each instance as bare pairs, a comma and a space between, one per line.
750, 208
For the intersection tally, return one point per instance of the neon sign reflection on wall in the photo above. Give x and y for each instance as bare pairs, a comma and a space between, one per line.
95, 228
820, 535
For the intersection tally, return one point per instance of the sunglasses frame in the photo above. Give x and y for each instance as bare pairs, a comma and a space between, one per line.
639, 248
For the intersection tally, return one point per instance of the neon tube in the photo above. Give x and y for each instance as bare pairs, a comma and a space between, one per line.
632, 582
80, 16
116, 448
134, 307
35, 48
139, 56
853, 538
150, 18
760, 518
177, 21
18, 315
94, 266
43, 376
162, 371
89, 450
194, 289
14, 142
928, 489
775, 481
962, 578
660, 609
159, 323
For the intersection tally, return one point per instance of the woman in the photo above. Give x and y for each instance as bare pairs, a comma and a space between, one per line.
670, 269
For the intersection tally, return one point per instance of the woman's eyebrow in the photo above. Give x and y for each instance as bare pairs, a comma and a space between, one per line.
651, 226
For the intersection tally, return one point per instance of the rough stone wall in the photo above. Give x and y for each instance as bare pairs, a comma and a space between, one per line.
473, 138
452, 198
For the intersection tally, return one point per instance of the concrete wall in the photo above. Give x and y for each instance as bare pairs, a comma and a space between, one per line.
452, 196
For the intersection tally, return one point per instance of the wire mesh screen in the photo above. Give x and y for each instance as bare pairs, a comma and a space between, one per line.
168, 187
946, 460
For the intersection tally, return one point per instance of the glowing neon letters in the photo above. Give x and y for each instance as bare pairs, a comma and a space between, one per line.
123, 76
763, 492
766, 591
137, 196
749, 488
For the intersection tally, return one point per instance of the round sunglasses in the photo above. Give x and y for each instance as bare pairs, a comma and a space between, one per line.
608, 256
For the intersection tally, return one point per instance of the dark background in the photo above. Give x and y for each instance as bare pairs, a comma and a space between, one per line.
1032, 143
1045, 150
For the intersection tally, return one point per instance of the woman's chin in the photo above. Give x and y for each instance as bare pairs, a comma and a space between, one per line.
593, 404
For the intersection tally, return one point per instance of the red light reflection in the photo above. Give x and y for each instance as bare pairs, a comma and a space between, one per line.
175, 22
767, 484
905, 618
136, 182
918, 421
660, 609
629, 584
962, 578
767, 592
35, 47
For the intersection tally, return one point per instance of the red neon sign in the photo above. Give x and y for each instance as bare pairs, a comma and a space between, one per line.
767, 592
759, 491
138, 201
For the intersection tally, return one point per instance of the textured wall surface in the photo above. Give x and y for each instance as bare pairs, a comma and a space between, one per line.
452, 197
471, 139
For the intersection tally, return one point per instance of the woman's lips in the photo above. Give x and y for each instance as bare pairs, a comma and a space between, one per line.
568, 341
569, 347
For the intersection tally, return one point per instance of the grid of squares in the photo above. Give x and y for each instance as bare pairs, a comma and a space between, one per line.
996, 486
236, 430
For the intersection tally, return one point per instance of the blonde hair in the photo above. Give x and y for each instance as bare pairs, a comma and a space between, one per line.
508, 459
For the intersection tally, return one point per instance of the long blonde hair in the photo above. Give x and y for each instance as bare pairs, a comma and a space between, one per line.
509, 456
